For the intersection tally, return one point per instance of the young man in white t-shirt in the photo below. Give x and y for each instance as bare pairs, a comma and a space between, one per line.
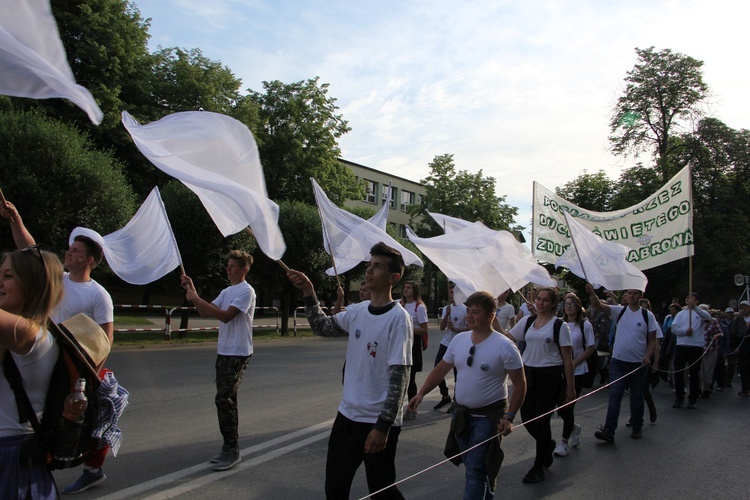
633, 350
378, 362
234, 308
452, 322
485, 359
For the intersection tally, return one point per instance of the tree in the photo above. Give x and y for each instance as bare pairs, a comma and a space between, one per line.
186, 80
635, 185
663, 92
58, 181
589, 191
297, 139
461, 194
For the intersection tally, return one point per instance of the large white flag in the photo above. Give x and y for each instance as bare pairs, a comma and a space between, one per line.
656, 231
477, 258
447, 223
380, 220
142, 251
32, 57
217, 158
600, 262
348, 238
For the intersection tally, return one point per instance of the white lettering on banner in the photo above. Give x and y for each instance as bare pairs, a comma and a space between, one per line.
658, 230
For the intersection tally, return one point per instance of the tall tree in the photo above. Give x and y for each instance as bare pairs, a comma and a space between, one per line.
589, 191
186, 80
461, 194
58, 180
662, 96
298, 139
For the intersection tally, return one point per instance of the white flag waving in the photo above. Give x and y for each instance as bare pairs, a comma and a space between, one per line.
598, 261
216, 157
32, 57
349, 238
477, 258
448, 223
145, 249
380, 220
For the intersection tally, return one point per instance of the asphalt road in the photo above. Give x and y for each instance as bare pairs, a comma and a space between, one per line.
289, 398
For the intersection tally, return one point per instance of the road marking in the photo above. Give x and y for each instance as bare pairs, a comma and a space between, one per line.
212, 476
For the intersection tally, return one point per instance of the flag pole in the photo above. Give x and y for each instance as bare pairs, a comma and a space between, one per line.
690, 257
171, 232
279, 262
4, 201
575, 247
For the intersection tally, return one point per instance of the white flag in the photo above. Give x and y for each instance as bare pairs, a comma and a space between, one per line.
477, 258
598, 261
449, 224
348, 238
217, 158
32, 57
145, 249
380, 220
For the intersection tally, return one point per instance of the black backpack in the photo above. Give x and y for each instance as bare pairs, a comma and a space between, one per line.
619, 317
72, 363
555, 329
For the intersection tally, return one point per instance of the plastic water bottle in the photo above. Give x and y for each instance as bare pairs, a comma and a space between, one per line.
74, 411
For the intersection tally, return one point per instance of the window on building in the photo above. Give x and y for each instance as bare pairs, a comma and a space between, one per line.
394, 192
402, 230
420, 199
371, 194
407, 199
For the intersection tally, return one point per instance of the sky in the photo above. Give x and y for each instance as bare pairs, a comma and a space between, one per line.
521, 90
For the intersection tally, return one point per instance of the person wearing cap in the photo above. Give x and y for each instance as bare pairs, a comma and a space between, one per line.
82, 295
689, 327
740, 331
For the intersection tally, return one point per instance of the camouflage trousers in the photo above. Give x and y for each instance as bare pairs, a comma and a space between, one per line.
229, 371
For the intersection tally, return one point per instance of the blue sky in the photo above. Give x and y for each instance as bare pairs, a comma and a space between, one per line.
522, 90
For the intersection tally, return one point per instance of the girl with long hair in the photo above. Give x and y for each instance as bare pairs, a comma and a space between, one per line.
30, 287
411, 300
583, 340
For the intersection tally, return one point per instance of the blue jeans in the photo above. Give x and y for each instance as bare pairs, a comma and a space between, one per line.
634, 382
478, 484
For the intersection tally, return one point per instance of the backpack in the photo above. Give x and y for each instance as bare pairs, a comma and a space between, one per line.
73, 362
555, 329
617, 321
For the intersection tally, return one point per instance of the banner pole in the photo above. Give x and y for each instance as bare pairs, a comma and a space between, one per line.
575, 247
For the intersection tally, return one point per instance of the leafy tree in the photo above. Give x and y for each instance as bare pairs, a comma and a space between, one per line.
589, 191
663, 92
58, 181
297, 139
460, 194
186, 80
635, 185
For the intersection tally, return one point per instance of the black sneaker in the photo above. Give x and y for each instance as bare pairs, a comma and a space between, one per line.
605, 435
443, 403
535, 475
678, 403
691, 404
636, 434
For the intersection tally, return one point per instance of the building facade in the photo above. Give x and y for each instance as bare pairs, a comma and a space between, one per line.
404, 194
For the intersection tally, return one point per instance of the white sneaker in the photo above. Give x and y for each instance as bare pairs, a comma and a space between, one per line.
575, 436
561, 450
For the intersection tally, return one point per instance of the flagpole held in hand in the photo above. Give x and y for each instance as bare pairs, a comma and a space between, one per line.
279, 262
583, 268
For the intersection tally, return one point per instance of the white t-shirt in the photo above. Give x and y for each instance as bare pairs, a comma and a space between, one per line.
631, 336
504, 314
36, 370
87, 297
376, 341
418, 313
525, 309
486, 380
541, 350
236, 337
577, 338
458, 318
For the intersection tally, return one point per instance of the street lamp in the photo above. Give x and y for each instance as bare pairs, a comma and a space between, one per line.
740, 280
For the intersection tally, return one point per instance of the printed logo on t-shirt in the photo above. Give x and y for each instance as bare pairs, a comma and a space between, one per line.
484, 367
372, 348
357, 333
